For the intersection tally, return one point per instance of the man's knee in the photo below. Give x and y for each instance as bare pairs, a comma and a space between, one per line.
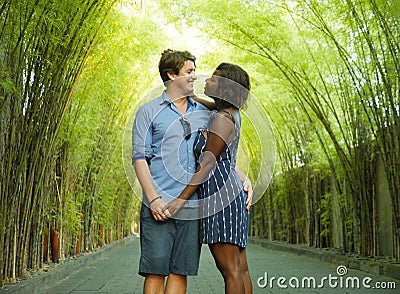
153, 284
176, 284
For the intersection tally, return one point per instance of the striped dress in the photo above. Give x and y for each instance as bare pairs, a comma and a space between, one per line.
224, 217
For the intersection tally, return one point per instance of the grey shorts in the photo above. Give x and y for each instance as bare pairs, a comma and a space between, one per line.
170, 247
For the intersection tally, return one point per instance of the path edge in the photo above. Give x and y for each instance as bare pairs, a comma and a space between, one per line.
372, 266
41, 279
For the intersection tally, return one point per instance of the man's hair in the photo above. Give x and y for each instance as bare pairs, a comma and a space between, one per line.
236, 84
173, 61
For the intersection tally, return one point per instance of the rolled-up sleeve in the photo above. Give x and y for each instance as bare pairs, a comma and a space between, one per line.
141, 136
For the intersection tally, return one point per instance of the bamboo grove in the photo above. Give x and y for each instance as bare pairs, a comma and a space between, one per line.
62, 184
43, 45
328, 75
71, 71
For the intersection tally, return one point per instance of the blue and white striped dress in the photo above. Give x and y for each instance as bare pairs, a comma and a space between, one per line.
224, 217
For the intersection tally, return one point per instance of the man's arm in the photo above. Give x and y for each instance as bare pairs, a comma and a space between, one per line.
156, 203
141, 140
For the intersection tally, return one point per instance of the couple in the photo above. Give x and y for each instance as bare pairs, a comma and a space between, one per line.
185, 160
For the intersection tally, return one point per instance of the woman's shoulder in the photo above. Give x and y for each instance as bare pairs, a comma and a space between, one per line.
229, 115
221, 119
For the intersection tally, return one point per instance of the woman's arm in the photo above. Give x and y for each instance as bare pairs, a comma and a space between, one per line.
207, 103
221, 128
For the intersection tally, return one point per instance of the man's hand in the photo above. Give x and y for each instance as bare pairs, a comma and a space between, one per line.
157, 209
248, 188
173, 207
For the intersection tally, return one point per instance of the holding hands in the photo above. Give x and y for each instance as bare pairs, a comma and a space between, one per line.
156, 205
162, 211
173, 207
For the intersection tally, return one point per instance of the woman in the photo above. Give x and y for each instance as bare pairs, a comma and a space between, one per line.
224, 204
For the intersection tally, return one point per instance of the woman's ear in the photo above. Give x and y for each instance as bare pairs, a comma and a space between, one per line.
225, 93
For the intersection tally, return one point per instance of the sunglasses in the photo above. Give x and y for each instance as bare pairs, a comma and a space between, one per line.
187, 130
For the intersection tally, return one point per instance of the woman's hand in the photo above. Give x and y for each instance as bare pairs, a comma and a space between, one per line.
173, 207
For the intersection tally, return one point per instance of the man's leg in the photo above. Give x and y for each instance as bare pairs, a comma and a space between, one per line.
153, 284
185, 254
156, 241
176, 284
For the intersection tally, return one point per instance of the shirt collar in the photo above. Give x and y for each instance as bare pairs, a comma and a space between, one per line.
191, 100
167, 100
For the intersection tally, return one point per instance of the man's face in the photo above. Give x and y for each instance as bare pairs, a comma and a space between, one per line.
186, 77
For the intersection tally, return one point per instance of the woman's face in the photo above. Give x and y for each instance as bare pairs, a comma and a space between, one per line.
211, 87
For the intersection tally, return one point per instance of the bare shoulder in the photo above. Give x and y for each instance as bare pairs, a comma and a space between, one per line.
222, 125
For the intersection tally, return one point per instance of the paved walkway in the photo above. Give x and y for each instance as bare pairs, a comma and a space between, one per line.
115, 272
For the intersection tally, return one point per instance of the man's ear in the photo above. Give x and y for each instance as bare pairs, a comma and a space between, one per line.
171, 75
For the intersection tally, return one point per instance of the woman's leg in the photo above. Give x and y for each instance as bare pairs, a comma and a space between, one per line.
227, 259
245, 271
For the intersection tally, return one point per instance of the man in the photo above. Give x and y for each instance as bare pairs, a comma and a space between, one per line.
164, 163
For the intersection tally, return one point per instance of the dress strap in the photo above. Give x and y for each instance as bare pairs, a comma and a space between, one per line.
230, 114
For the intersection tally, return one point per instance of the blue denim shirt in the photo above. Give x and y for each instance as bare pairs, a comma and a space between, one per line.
158, 137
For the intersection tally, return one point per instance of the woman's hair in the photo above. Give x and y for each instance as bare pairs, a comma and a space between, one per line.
173, 61
234, 85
